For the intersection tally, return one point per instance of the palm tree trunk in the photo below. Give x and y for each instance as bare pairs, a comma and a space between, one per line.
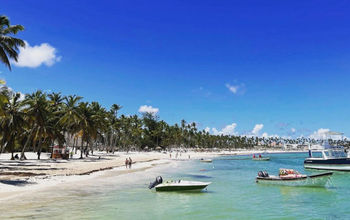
75, 144
23, 157
81, 149
39, 146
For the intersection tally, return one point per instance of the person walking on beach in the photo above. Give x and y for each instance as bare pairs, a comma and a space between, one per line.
126, 163
130, 162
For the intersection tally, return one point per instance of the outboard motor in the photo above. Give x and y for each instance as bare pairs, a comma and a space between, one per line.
158, 181
263, 174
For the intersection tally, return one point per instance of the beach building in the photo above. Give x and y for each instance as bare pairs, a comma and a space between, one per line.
60, 152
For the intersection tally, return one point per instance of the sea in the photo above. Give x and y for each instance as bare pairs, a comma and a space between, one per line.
232, 194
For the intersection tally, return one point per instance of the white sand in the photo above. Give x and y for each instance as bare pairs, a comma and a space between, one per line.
32, 175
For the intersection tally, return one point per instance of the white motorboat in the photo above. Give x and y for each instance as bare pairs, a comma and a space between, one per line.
178, 185
206, 160
333, 157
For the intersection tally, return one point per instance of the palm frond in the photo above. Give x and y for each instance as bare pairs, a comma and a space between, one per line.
9, 45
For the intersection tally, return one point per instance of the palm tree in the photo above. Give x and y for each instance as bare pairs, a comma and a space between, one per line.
39, 112
13, 122
87, 125
70, 117
3, 96
9, 45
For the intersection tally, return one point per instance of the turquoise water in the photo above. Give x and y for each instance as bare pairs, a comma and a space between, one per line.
233, 194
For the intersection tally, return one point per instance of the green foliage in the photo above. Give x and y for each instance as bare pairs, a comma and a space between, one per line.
9, 45
42, 120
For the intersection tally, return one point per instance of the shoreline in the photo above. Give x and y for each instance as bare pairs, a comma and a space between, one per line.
48, 173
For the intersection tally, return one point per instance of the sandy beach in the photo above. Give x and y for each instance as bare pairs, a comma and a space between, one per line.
28, 176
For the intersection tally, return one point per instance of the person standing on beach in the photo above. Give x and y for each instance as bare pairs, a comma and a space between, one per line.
126, 163
130, 162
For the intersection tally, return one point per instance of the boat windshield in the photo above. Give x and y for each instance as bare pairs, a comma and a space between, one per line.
337, 153
334, 153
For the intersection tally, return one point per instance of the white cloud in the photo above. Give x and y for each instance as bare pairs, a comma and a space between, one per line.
257, 128
293, 130
266, 135
148, 109
207, 129
215, 131
236, 89
37, 55
232, 88
21, 97
227, 130
320, 133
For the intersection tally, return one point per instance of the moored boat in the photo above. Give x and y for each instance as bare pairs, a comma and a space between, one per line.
291, 177
178, 185
206, 160
333, 157
261, 158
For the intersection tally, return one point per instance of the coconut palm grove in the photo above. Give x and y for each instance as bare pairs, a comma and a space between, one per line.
36, 121
174, 109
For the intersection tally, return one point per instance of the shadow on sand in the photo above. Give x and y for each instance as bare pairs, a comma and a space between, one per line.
16, 182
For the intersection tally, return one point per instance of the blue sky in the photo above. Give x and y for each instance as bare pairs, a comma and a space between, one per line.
287, 63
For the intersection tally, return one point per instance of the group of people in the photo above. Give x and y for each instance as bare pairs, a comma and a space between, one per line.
254, 155
128, 162
177, 155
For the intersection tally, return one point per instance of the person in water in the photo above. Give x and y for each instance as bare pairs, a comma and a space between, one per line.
126, 163
130, 162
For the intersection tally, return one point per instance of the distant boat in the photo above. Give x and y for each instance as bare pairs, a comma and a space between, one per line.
291, 177
260, 158
206, 160
333, 157
178, 185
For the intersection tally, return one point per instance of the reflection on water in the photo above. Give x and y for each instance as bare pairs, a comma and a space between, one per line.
233, 194
196, 176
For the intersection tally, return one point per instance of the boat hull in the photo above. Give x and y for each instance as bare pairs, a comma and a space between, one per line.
182, 186
319, 180
206, 161
261, 159
330, 164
